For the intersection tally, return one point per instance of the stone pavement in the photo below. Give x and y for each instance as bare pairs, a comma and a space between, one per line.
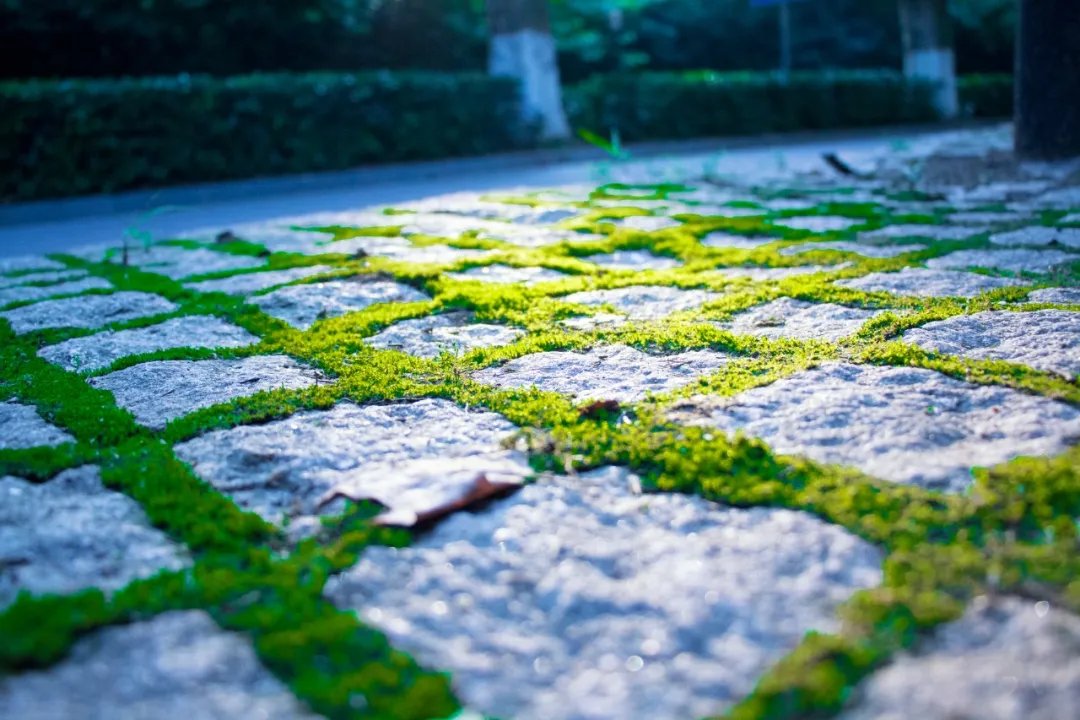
774, 444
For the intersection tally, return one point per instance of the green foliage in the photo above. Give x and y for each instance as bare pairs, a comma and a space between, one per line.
648, 106
988, 96
75, 137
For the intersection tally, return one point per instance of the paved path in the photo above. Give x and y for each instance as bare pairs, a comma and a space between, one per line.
770, 444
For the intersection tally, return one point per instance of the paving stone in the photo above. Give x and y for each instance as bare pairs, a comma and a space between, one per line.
577, 599
725, 240
537, 236
1005, 659
644, 223
179, 665
644, 302
818, 223
302, 305
907, 425
72, 533
87, 311
1073, 219
633, 260
93, 352
24, 293
975, 217
612, 372
505, 274
448, 226
1018, 260
934, 232
759, 274
1056, 295
248, 283
44, 276
452, 332
160, 391
1039, 236
597, 321
874, 251
407, 456
920, 282
1067, 198
179, 262
28, 262
1045, 339
712, 210
22, 427
789, 318
474, 205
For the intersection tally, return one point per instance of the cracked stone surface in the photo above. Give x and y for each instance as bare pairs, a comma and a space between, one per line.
248, 283
576, 598
633, 260
26, 293
1056, 295
907, 425
453, 332
1005, 659
1045, 339
1018, 260
176, 665
302, 305
644, 302
614, 372
921, 282
873, 251
71, 533
505, 274
789, 318
819, 223
1039, 236
408, 456
22, 427
93, 352
160, 391
89, 311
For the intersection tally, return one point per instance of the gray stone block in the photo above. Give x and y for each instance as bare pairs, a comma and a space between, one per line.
452, 332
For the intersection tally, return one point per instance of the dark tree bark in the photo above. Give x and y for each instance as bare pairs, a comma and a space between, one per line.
928, 50
522, 47
1048, 80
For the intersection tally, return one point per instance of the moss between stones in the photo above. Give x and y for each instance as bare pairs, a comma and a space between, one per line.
1014, 532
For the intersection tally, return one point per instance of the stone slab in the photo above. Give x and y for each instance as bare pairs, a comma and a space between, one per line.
906, 425
28, 262
766, 274
932, 232
818, 223
507, 275
71, 533
302, 305
176, 666
789, 318
613, 372
160, 391
725, 240
1056, 295
408, 456
1039, 236
93, 352
89, 311
1045, 339
248, 283
46, 276
921, 282
1005, 659
874, 251
452, 332
179, 262
633, 260
577, 599
644, 302
1014, 260
644, 223
22, 427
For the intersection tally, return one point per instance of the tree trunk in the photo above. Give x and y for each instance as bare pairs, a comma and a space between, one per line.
1048, 80
928, 50
522, 47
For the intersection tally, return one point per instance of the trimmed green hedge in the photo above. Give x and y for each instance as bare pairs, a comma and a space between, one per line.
989, 96
75, 137
653, 106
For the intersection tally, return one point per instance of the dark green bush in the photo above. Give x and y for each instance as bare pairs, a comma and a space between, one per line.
989, 96
650, 106
74, 137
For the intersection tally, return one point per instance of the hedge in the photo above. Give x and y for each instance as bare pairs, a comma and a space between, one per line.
74, 137
989, 96
653, 106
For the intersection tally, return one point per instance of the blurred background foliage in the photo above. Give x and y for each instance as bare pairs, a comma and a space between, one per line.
108, 38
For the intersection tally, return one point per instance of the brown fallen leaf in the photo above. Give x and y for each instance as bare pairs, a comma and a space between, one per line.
600, 408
